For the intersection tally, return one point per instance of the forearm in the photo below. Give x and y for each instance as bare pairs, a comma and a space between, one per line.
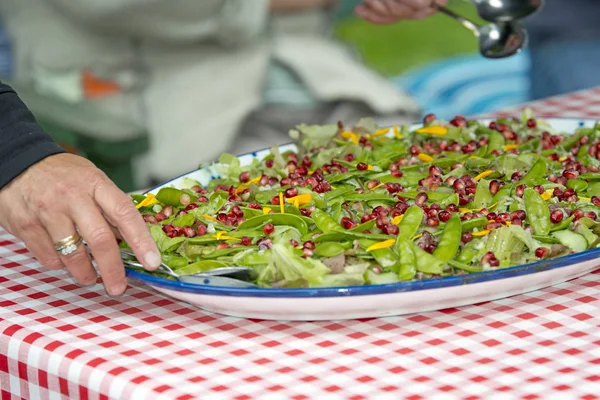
299, 5
22, 140
190, 20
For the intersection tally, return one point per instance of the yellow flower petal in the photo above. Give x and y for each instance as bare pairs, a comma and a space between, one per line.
433, 130
148, 201
511, 147
300, 200
585, 198
281, 205
547, 195
266, 210
310, 173
369, 167
353, 137
381, 132
464, 210
210, 217
483, 174
397, 132
425, 158
378, 186
417, 236
244, 186
469, 210
481, 233
397, 220
382, 245
222, 236
563, 158
473, 158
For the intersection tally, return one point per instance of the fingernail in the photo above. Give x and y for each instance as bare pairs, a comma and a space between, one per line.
117, 290
152, 260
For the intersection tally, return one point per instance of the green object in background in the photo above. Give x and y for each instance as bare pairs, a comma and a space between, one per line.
396, 48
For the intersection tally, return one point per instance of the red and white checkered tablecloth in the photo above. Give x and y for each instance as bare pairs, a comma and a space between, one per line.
59, 341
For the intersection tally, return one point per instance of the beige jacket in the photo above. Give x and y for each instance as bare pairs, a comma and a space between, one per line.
188, 70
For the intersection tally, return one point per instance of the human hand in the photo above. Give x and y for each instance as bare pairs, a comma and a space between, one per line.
60, 193
390, 11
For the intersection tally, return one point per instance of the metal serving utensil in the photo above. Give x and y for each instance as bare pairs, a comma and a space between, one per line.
506, 10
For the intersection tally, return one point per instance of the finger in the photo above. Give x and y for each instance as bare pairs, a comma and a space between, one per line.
400, 10
118, 208
38, 241
418, 5
377, 6
103, 244
78, 263
368, 15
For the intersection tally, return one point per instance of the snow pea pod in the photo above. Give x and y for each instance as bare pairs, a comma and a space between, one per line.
426, 262
169, 196
535, 174
331, 249
364, 227
324, 222
464, 267
593, 189
592, 176
435, 197
568, 143
369, 197
495, 142
174, 261
483, 196
564, 224
408, 261
348, 235
410, 222
468, 253
538, 213
577, 184
470, 224
387, 259
338, 192
184, 220
200, 266
275, 219
450, 240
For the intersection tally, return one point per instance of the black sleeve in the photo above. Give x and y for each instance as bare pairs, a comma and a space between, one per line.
22, 140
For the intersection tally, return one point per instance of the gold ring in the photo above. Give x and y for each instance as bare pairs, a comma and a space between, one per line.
68, 245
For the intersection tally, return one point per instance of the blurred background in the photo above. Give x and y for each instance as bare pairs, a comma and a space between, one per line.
148, 92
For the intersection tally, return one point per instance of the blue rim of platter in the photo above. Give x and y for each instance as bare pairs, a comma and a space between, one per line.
367, 290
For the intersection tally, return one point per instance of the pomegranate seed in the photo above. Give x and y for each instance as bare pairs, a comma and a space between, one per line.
444, 216
237, 211
429, 118
255, 206
432, 222
167, 211
362, 166
459, 185
520, 190
539, 189
542, 252
381, 222
246, 241
269, 163
452, 208
494, 187
189, 232
577, 214
520, 214
306, 162
434, 170
493, 125
372, 184
181, 212
150, 219
393, 187
245, 177
415, 150
595, 201
421, 199
432, 213
531, 123
487, 257
289, 193
591, 215
491, 216
463, 200
322, 187
430, 248
308, 245
349, 157
268, 229
516, 176
201, 230
275, 200
379, 210
570, 174
457, 166
294, 243
556, 216
494, 262
466, 237
306, 212
392, 229
461, 123
264, 244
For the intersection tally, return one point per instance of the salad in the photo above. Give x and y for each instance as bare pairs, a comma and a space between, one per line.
357, 205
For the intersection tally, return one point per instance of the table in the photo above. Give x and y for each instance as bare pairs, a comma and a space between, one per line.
61, 341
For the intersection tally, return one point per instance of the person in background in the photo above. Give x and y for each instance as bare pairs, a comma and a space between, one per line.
564, 40
203, 77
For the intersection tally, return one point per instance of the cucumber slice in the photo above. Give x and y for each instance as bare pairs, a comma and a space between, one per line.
572, 240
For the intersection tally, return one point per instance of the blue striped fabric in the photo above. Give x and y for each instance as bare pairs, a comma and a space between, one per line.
468, 85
